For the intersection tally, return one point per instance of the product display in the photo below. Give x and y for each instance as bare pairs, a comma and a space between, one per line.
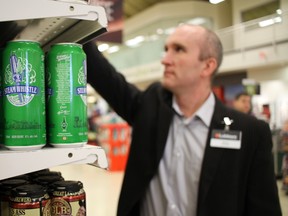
66, 95
23, 96
20, 205
29, 200
68, 198
1, 98
5, 190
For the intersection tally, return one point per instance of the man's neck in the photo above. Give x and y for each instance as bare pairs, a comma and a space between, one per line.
190, 103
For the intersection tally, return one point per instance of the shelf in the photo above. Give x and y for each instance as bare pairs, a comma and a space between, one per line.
34, 9
13, 163
51, 21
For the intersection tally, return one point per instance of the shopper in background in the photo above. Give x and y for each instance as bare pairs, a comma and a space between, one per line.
284, 145
242, 102
190, 155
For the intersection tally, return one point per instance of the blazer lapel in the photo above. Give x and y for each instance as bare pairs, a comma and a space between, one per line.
165, 117
212, 156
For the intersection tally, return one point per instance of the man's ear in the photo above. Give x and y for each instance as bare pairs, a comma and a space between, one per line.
210, 66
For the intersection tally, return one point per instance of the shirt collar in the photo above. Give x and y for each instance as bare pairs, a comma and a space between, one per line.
205, 112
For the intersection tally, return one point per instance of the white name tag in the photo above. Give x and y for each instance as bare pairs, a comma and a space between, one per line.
226, 139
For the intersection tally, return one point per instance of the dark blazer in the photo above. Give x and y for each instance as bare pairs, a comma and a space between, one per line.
232, 182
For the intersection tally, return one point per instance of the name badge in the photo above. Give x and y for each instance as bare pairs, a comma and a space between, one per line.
228, 139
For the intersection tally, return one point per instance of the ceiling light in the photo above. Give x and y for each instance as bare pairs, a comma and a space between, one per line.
135, 41
197, 21
113, 49
269, 22
279, 11
215, 1
169, 31
103, 47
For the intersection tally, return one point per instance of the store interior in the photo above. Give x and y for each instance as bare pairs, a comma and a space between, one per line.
255, 41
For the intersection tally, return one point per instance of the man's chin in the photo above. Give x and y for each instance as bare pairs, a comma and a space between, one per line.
166, 85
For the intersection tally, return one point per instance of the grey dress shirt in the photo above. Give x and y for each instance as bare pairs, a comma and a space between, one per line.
173, 191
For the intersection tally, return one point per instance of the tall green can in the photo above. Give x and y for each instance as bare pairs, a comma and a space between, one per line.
1, 98
23, 95
66, 95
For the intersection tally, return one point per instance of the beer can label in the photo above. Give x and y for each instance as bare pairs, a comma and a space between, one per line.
23, 95
74, 206
1, 97
36, 208
66, 89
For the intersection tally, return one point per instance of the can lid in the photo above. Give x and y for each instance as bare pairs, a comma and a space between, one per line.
7, 185
68, 44
25, 41
24, 176
48, 173
46, 180
67, 186
39, 172
29, 190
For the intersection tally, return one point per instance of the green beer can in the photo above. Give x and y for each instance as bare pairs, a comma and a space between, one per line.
1, 98
66, 95
23, 95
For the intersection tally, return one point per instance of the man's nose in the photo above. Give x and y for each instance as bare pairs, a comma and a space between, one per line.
166, 58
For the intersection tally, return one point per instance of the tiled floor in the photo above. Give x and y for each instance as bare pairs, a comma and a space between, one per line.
103, 187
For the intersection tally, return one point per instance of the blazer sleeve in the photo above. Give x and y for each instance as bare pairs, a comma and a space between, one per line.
122, 96
262, 189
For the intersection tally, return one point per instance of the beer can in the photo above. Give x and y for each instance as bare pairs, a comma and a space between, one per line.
23, 95
1, 97
46, 181
6, 187
68, 198
29, 200
66, 99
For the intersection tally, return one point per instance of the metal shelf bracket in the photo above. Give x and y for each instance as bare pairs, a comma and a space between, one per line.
13, 163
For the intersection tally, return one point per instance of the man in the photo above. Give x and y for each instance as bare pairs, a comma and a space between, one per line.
242, 102
190, 155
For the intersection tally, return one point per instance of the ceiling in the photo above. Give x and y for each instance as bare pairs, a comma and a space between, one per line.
132, 7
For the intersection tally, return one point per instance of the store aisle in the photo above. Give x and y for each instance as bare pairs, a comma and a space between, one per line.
103, 187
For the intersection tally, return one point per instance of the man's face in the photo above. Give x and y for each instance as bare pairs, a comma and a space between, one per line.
182, 67
243, 104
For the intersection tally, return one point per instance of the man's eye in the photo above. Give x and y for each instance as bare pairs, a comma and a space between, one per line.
179, 48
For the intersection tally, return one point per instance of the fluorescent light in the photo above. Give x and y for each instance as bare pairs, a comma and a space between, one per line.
197, 21
160, 31
215, 1
113, 49
269, 22
154, 37
103, 47
279, 11
169, 31
135, 41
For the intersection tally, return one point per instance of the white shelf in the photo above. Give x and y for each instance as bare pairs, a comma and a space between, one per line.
49, 22
35, 9
52, 21
13, 163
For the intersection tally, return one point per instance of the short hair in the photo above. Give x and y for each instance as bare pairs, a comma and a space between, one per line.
211, 47
240, 94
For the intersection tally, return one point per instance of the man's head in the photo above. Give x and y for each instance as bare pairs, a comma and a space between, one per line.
193, 55
242, 102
